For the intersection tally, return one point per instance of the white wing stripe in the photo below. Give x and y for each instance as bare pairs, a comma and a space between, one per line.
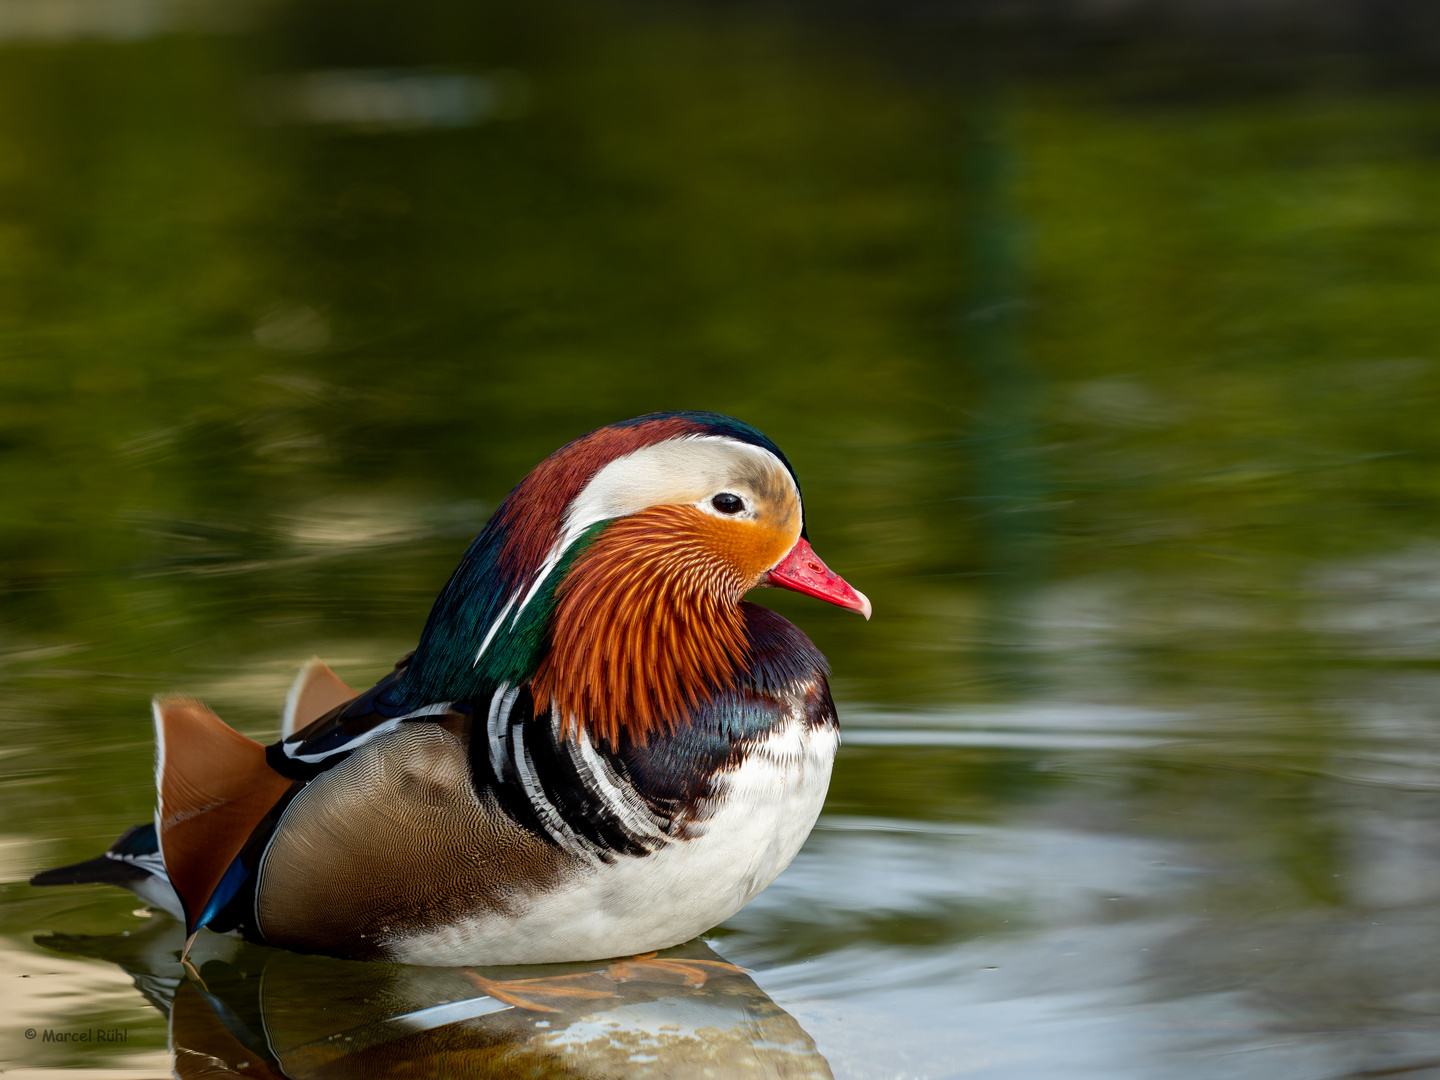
436, 709
359, 740
551, 561
494, 629
151, 863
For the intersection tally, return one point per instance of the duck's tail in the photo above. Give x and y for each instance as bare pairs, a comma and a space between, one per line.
133, 862
213, 788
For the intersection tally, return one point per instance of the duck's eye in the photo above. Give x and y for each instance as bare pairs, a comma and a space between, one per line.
727, 503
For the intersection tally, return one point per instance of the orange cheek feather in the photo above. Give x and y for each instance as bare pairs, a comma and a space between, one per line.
750, 547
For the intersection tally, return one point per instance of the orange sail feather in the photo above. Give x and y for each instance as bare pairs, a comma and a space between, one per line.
214, 787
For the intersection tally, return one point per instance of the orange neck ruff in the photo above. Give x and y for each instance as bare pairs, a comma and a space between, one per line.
648, 625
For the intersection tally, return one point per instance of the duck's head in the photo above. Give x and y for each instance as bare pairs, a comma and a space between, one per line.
610, 579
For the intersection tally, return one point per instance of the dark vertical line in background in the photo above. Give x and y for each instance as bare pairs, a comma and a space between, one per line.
1003, 416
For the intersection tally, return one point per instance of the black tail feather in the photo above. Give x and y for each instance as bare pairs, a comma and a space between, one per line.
112, 868
101, 869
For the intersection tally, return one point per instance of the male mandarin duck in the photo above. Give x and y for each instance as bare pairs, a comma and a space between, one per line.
597, 748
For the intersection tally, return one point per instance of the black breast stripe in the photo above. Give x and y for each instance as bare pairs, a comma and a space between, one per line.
600, 802
492, 758
534, 776
583, 806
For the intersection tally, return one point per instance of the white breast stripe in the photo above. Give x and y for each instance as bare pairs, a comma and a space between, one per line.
635, 817
497, 724
549, 816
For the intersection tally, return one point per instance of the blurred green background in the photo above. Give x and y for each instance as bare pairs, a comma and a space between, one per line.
1128, 327
1105, 346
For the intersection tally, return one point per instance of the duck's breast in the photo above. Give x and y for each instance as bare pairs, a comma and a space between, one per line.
733, 842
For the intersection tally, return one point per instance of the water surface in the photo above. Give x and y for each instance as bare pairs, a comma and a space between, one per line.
1111, 379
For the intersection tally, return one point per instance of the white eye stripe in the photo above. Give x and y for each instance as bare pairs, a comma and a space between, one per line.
689, 469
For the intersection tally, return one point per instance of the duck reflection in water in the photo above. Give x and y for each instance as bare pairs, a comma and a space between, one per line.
249, 1011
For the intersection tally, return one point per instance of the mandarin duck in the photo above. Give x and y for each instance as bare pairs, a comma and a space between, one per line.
597, 748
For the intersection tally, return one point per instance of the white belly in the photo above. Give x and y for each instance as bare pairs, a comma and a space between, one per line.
637, 904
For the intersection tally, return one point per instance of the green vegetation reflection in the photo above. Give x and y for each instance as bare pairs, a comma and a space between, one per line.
259, 384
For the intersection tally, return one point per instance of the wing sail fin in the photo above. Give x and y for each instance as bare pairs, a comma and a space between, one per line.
317, 690
213, 787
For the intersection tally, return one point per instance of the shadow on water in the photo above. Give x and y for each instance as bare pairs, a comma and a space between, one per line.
249, 1011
